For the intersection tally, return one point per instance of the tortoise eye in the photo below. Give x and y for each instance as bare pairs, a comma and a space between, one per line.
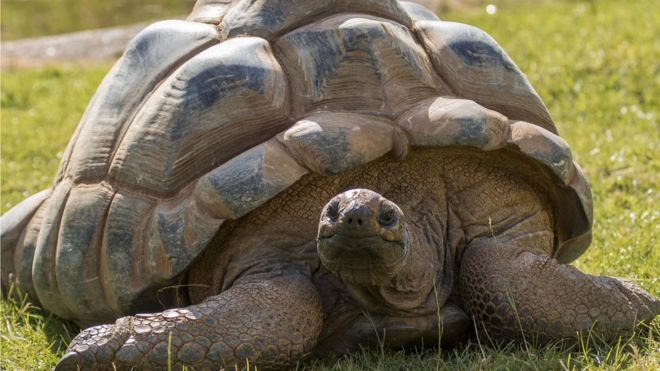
387, 217
332, 212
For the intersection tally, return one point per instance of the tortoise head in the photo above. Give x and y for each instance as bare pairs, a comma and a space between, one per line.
363, 237
386, 264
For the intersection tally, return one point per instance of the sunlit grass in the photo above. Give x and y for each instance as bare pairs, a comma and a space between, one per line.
30, 338
40, 109
595, 64
32, 18
638, 352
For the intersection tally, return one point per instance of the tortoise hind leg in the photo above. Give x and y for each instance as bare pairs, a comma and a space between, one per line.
271, 323
518, 294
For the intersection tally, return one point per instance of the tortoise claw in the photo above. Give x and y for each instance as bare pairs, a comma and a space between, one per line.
70, 361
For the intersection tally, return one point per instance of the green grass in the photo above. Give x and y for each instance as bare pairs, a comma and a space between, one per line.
22, 18
40, 109
596, 66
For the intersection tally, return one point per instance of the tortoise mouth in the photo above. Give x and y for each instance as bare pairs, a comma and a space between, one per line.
341, 252
357, 242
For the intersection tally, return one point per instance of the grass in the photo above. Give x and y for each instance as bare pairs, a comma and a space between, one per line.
40, 109
595, 64
629, 354
21, 18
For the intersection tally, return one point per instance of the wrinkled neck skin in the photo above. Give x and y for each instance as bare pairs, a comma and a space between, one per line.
419, 286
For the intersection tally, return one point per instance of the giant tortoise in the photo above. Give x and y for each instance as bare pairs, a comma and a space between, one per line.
282, 178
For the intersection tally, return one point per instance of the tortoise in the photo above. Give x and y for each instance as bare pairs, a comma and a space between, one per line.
294, 178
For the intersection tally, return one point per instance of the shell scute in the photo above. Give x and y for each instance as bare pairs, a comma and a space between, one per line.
248, 180
544, 147
578, 226
418, 12
331, 143
122, 260
210, 11
147, 60
19, 229
223, 101
176, 233
447, 122
78, 258
356, 63
272, 18
44, 275
477, 68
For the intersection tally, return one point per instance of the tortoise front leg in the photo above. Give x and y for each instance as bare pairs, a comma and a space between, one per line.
271, 323
517, 294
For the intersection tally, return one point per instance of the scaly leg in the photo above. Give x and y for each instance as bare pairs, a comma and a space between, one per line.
271, 323
517, 294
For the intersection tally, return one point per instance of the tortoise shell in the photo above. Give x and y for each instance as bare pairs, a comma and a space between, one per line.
202, 121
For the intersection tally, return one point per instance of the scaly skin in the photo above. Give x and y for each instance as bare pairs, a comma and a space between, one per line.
516, 294
224, 330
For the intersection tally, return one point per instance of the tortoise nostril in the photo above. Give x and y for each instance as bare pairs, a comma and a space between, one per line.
356, 217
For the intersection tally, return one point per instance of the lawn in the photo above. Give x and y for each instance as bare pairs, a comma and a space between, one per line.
21, 18
595, 63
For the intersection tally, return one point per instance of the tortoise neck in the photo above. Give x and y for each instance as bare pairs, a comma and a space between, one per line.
421, 285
